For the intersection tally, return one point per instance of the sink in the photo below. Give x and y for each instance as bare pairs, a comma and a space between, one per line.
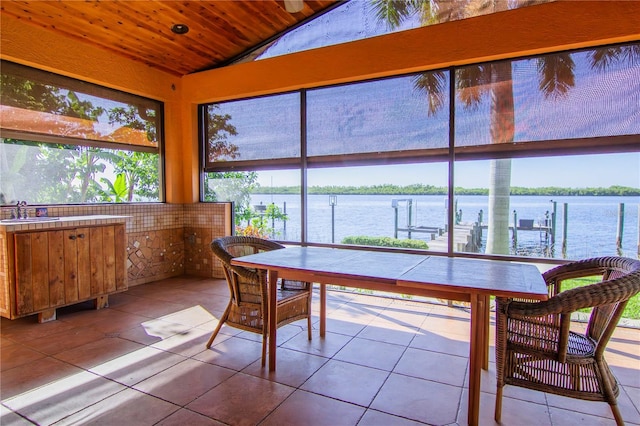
29, 220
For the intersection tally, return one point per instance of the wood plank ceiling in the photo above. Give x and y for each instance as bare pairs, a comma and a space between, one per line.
219, 30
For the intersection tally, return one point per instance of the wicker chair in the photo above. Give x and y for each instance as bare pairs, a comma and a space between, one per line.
535, 348
248, 291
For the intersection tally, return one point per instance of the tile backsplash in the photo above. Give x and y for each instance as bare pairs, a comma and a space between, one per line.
163, 240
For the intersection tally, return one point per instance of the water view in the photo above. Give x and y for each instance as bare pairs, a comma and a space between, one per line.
592, 224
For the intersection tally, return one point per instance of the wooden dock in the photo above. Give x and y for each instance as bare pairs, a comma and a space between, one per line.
467, 237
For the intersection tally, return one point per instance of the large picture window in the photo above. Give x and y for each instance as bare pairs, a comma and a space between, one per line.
536, 157
65, 141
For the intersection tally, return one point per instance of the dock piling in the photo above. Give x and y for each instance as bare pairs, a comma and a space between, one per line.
620, 230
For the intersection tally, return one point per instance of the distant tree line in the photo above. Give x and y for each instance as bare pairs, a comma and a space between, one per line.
419, 189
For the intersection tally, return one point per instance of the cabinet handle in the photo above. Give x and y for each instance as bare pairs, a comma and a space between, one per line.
80, 235
72, 237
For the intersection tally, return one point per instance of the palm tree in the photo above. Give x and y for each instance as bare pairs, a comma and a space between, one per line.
474, 83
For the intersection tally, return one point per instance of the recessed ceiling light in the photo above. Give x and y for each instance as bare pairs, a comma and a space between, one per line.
293, 6
180, 28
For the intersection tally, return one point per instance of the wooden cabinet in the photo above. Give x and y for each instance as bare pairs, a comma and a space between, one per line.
53, 268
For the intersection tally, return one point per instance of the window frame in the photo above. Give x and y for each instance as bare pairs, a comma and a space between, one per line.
627, 143
109, 94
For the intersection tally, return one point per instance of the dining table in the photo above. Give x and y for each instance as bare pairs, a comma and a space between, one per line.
469, 280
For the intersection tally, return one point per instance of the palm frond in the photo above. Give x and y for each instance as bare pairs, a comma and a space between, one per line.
472, 83
393, 12
603, 58
555, 75
434, 85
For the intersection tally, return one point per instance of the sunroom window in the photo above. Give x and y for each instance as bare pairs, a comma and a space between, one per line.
532, 157
65, 141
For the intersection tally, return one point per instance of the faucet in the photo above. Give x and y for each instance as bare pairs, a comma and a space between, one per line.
20, 212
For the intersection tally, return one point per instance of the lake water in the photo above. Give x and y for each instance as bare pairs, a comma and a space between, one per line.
592, 222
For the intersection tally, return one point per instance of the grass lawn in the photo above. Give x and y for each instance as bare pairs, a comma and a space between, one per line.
632, 311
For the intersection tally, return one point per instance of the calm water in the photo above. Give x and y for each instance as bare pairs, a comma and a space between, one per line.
592, 222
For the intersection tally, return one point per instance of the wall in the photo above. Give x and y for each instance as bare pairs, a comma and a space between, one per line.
163, 240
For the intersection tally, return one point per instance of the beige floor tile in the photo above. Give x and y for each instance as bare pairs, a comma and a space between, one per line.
293, 368
346, 326
371, 353
347, 382
128, 407
241, 400
514, 412
437, 322
561, 417
65, 340
595, 408
184, 417
116, 325
84, 315
377, 418
185, 381
56, 400
98, 352
234, 353
627, 376
187, 343
191, 316
633, 394
389, 332
153, 331
326, 347
133, 367
150, 308
418, 399
36, 373
16, 354
435, 366
9, 418
441, 341
489, 383
308, 409
22, 330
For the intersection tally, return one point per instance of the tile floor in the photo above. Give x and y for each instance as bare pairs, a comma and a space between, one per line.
143, 361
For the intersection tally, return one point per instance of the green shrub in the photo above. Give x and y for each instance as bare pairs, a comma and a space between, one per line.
385, 242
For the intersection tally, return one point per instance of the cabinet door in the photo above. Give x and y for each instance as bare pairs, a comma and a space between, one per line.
109, 240
56, 268
24, 288
70, 266
39, 258
107, 259
32, 271
98, 247
83, 252
120, 253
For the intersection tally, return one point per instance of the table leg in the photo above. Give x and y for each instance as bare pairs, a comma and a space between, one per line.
485, 342
272, 280
476, 356
323, 309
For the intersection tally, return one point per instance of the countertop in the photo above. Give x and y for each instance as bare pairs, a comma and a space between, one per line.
43, 224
